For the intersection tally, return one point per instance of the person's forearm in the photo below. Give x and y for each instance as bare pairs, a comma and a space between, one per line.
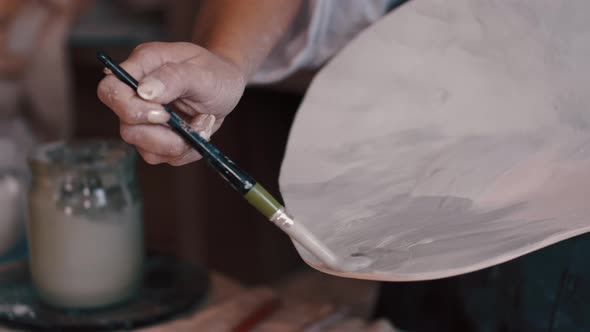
244, 31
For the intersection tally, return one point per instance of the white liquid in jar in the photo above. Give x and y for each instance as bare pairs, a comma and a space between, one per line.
78, 262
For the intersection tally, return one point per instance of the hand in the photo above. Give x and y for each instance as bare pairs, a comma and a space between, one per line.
201, 85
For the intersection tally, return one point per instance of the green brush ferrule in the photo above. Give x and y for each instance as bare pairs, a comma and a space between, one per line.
263, 201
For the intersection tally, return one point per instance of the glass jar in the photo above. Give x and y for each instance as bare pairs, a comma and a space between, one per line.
85, 229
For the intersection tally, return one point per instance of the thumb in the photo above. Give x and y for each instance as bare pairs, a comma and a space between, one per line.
205, 82
165, 84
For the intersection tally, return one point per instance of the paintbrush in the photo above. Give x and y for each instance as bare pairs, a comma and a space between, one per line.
243, 183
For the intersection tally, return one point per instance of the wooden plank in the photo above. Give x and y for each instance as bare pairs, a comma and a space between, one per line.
295, 316
381, 325
312, 286
223, 288
225, 316
348, 325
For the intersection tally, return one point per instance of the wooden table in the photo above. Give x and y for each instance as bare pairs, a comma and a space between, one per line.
306, 301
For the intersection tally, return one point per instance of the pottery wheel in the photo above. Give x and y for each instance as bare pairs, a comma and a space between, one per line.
449, 137
170, 288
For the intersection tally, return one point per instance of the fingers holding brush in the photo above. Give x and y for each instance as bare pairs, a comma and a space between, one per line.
129, 107
158, 144
202, 86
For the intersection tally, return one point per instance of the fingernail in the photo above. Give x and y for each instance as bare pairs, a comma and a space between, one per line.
211, 123
107, 71
208, 123
201, 121
150, 88
158, 116
205, 135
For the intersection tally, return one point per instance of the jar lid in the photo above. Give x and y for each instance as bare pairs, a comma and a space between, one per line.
97, 154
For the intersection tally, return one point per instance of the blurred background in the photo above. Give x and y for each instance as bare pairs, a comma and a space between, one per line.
48, 80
